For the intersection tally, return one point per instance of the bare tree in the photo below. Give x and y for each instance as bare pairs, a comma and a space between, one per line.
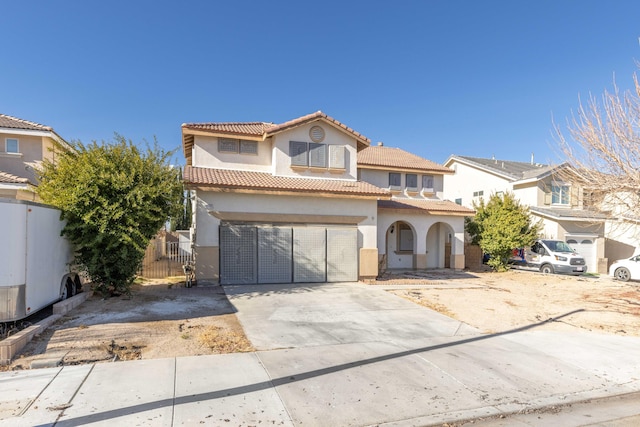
604, 151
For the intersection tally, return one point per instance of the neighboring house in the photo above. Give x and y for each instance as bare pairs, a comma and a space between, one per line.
279, 203
562, 206
416, 228
23, 144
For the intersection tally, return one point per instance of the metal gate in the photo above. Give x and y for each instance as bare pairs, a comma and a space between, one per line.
165, 259
264, 254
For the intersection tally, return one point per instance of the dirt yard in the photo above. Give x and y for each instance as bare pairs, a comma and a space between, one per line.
161, 320
158, 320
495, 302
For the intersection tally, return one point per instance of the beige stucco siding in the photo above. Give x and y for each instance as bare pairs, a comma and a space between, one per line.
380, 178
205, 154
31, 149
282, 160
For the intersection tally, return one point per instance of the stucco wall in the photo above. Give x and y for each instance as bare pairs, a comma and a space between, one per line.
205, 154
466, 180
30, 148
282, 160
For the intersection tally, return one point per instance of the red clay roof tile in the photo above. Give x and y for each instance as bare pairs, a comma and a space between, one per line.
248, 180
390, 157
438, 206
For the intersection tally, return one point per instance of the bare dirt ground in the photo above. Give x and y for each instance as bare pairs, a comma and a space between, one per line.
494, 302
158, 320
167, 320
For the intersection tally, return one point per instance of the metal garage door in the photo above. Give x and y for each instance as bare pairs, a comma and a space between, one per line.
263, 254
274, 254
342, 254
309, 254
238, 255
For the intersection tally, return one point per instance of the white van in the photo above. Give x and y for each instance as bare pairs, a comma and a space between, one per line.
552, 256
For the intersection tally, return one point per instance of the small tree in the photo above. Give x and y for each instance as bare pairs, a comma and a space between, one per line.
114, 198
499, 226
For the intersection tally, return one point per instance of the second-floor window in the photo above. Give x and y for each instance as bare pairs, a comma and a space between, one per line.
229, 145
427, 182
395, 180
560, 194
412, 181
11, 145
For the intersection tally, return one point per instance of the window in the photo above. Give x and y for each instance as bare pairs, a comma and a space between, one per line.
337, 157
226, 145
405, 236
317, 155
427, 182
11, 145
298, 153
412, 181
248, 147
560, 194
458, 202
394, 180
479, 193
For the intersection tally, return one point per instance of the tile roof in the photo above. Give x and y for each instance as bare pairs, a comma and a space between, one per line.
249, 180
569, 214
429, 205
7, 178
16, 123
232, 128
513, 170
391, 157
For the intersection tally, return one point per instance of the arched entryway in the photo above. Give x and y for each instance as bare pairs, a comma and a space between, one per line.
440, 245
400, 245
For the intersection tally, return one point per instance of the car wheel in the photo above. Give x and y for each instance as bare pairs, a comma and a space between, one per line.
546, 269
622, 274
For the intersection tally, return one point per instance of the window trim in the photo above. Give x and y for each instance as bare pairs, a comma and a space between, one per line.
6, 145
564, 190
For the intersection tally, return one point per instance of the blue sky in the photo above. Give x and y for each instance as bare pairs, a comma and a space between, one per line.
436, 78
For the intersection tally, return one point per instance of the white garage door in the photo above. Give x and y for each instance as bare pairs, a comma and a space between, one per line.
587, 248
266, 254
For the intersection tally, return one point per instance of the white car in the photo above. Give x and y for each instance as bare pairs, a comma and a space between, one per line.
626, 269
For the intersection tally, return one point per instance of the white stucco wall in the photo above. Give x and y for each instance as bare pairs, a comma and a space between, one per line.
207, 224
333, 136
205, 154
466, 180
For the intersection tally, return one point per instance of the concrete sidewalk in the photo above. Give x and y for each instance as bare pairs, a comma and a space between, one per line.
335, 355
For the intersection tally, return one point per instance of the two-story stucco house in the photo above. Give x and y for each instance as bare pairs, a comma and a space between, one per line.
416, 228
23, 144
310, 200
560, 205
280, 203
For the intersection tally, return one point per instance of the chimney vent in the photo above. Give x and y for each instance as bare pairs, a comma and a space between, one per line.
380, 144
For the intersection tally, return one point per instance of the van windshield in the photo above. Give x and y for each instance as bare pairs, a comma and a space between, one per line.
557, 246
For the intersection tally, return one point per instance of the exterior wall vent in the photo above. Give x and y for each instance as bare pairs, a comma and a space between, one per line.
316, 133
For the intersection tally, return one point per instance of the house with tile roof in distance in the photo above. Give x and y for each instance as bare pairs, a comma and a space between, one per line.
417, 228
562, 206
23, 144
280, 203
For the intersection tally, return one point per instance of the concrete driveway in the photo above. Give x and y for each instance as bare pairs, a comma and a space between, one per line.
353, 354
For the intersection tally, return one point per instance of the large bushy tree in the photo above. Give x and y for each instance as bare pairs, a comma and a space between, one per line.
501, 225
114, 197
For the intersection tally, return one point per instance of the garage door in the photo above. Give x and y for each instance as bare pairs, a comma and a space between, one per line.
587, 249
263, 254
274, 255
309, 254
342, 254
238, 255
